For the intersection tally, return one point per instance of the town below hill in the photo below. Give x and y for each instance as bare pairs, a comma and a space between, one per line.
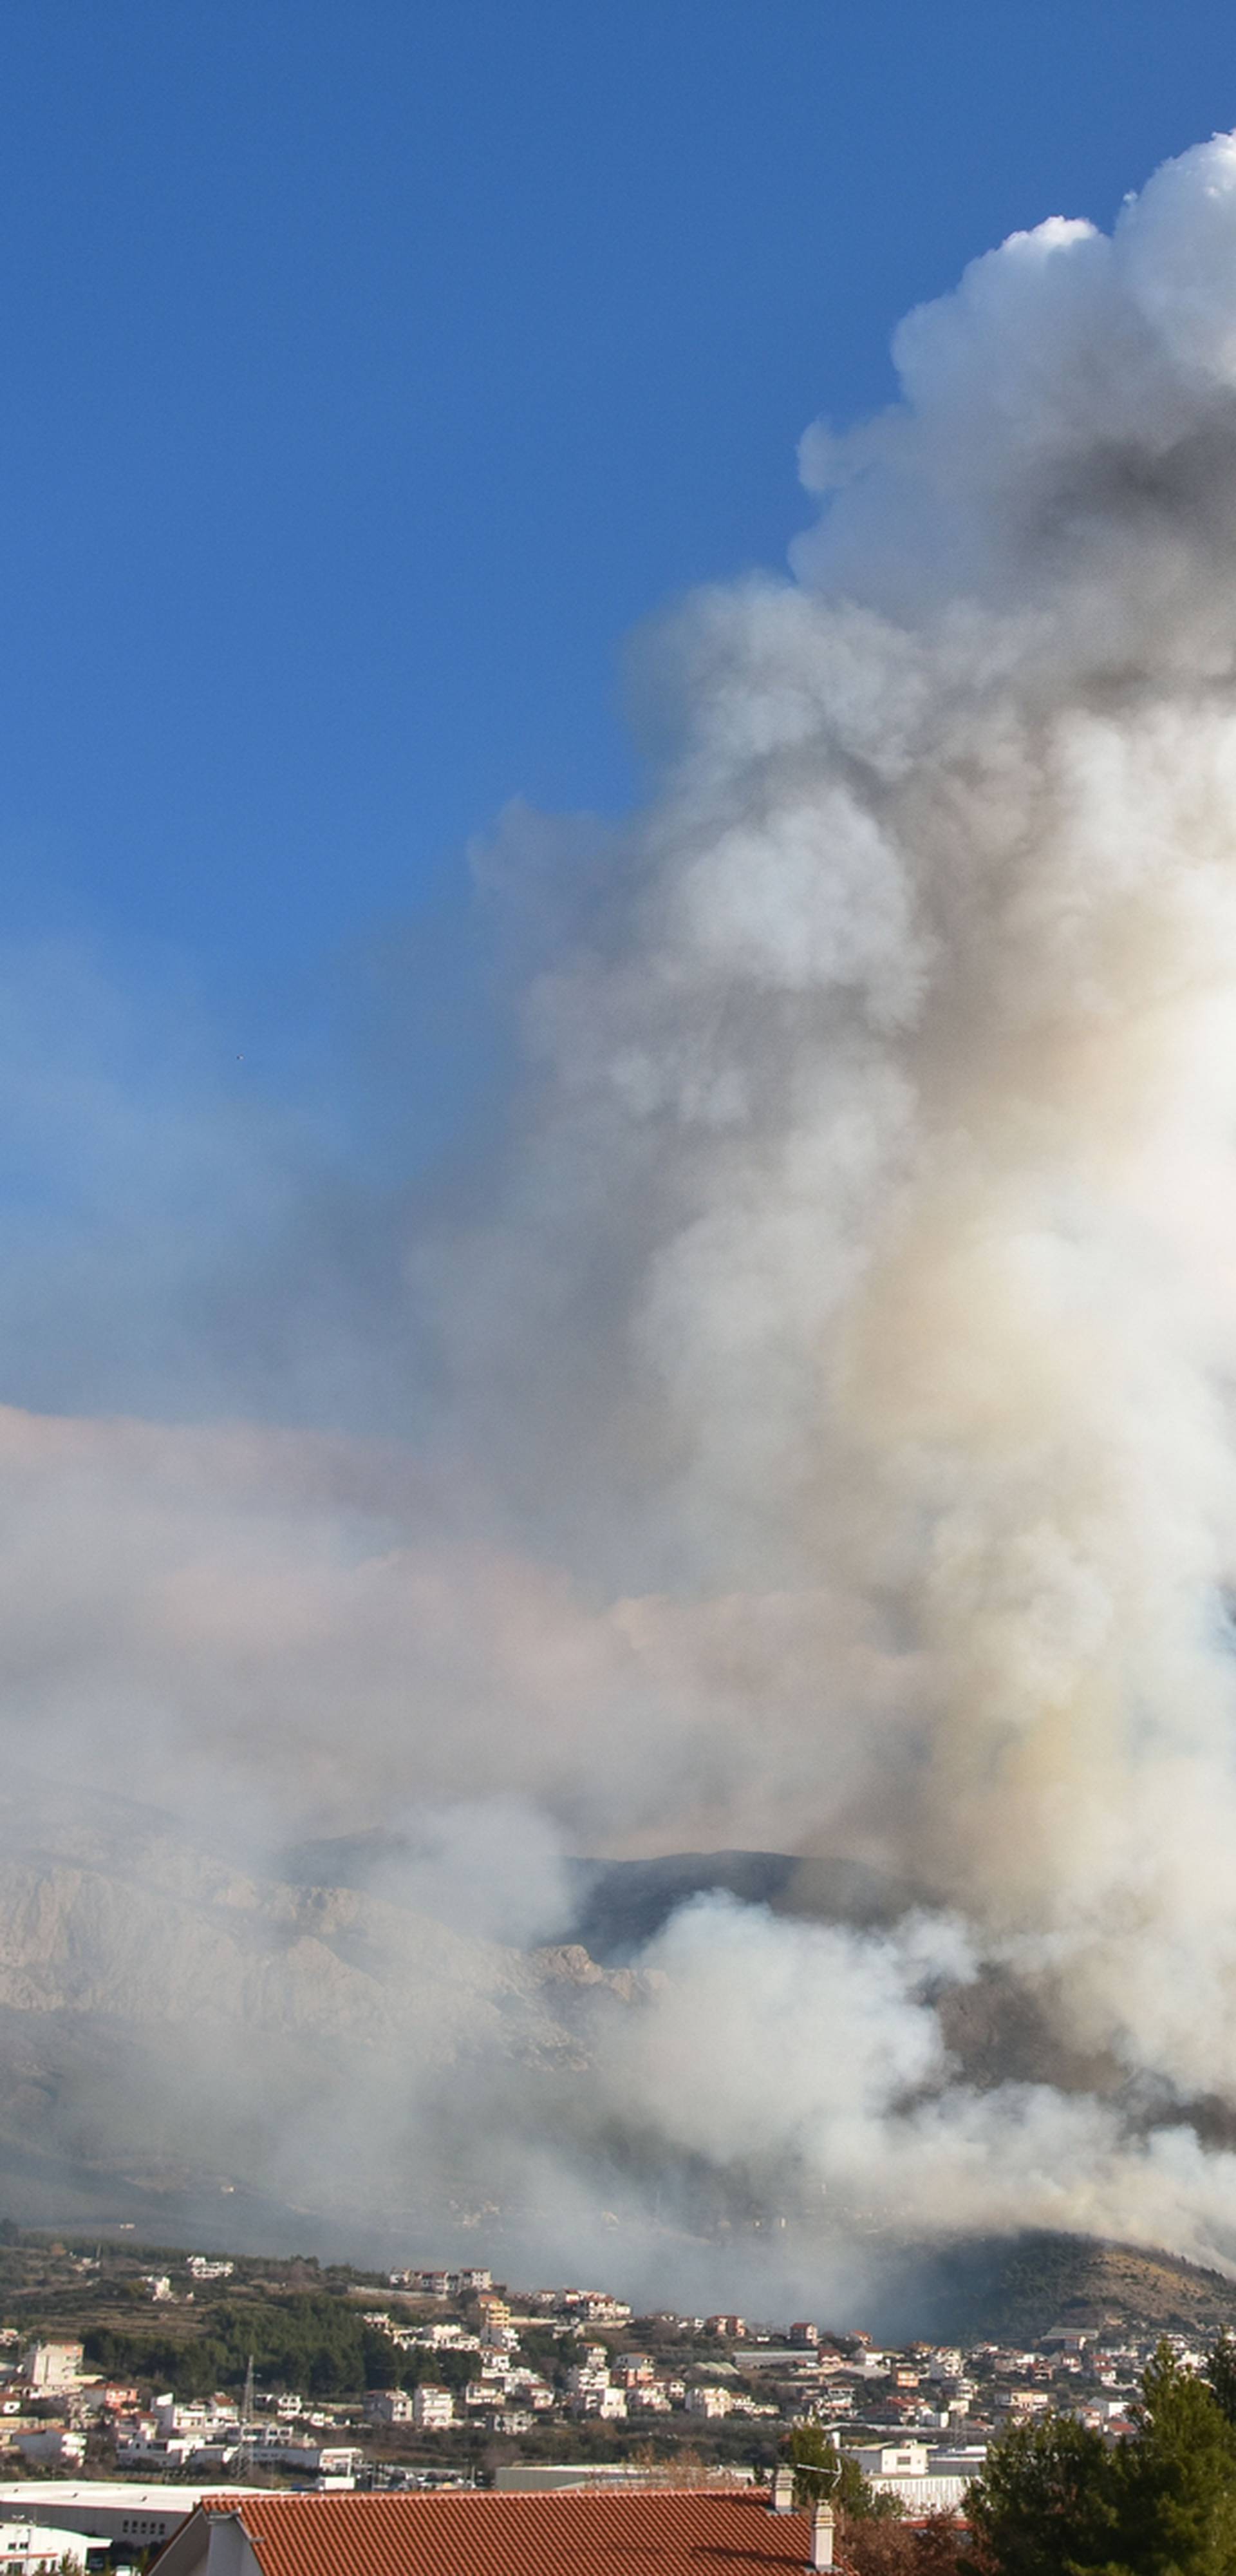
119, 2360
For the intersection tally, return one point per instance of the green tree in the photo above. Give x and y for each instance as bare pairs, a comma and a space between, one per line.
310, 2341
1177, 2477
1053, 2500
1221, 2372
1047, 2502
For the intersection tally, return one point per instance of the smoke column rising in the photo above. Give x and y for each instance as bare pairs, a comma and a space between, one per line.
894, 1084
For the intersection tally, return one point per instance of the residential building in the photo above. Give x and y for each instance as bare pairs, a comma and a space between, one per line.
52, 2365
927, 2481
538, 2477
389, 2406
444, 2285
53, 2446
606, 2402
172, 2416
709, 2401
147, 2451
38, 2549
433, 2409
309, 2459
586, 2378
596, 2308
483, 2392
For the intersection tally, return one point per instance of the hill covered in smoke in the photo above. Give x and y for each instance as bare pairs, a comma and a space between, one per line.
823, 1399
290, 2009
181, 2041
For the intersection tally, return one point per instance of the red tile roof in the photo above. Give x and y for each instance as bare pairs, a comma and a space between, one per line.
653, 2531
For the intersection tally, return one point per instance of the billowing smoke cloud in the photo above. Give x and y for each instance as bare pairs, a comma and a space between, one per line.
831, 1439
895, 1090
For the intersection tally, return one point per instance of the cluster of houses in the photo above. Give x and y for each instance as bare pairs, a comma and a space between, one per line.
923, 2411
51, 2406
42, 2394
468, 2358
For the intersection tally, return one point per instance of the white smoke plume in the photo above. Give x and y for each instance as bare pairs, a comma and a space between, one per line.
895, 1092
849, 1337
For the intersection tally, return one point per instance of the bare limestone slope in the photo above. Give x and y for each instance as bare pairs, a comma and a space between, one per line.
169, 2023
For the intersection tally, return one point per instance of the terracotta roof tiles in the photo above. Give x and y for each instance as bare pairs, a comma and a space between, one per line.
653, 2531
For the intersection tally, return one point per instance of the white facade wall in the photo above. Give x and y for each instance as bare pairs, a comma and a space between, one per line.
890, 2459
103, 2508
433, 2409
924, 2495
52, 2365
229, 2550
38, 2549
709, 2401
53, 2446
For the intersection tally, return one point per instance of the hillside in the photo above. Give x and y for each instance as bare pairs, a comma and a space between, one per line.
999, 2291
990, 2291
185, 2042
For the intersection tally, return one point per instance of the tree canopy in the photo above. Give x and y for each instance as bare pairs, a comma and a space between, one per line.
1045, 2503
1055, 2499
308, 2341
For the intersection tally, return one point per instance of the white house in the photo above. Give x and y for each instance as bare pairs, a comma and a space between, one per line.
38, 2549
433, 2409
927, 2481
52, 2365
389, 2406
53, 2446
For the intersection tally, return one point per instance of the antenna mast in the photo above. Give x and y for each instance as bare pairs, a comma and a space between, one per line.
244, 2448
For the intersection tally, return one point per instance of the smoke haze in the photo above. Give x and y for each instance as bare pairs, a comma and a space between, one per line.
811, 1412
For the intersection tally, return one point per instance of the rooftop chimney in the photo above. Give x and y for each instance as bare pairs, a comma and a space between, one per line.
782, 2497
822, 2536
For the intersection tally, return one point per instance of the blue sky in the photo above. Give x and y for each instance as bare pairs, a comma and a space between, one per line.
369, 374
